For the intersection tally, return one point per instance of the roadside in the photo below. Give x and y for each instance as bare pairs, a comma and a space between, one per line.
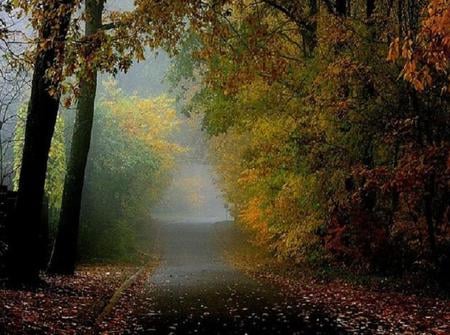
69, 305
134, 303
357, 308
193, 288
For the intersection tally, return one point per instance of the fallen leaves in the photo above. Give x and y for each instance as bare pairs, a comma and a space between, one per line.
65, 305
357, 308
135, 303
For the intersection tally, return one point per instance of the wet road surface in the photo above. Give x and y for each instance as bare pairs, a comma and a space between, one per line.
195, 291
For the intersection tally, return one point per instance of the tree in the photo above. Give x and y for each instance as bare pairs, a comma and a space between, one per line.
13, 82
65, 251
41, 118
54, 179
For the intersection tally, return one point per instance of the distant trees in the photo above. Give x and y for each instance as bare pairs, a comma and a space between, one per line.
106, 47
13, 83
131, 162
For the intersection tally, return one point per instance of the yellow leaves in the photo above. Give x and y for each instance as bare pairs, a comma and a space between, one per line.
255, 217
151, 121
250, 168
147, 119
248, 176
254, 91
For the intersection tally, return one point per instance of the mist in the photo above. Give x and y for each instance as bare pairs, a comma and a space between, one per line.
192, 194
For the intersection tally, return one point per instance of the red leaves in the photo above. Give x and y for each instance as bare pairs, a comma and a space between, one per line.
384, 212
68, 305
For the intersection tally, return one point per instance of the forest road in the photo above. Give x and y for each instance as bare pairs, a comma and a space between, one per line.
195, 291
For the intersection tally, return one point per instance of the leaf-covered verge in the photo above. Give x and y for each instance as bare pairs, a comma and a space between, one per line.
359, 305
136, 304
64, 305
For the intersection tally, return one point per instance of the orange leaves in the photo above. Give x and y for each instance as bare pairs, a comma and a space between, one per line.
427, 56
300, 131
255, 217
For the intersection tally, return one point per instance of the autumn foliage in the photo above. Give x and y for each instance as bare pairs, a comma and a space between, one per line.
323, 150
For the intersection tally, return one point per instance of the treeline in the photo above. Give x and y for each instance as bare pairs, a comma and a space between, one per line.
330, 127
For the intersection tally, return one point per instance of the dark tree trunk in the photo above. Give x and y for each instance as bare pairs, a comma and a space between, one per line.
65, 251
42, 112
428, 210
307, 24
341, 7
370, 8
44, 235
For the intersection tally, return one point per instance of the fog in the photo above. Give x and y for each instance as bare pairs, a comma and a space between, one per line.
192, 197
193, 194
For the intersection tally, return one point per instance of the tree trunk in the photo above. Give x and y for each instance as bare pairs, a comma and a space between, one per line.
65, 250
370, 8
428, 210
341, 7
41, 119
309, 34
307, 25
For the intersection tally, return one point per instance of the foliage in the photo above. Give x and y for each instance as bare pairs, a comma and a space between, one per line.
323, 152
128, 30
427, 55
130, 163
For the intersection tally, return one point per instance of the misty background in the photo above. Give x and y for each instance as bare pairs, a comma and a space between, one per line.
193, 195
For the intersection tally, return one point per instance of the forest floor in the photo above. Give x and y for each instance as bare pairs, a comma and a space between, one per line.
74, 305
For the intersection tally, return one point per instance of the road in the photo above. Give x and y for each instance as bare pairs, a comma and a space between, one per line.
195, 291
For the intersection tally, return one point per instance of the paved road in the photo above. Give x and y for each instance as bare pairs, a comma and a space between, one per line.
197, 292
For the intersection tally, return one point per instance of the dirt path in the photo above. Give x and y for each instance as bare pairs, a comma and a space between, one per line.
196, 292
